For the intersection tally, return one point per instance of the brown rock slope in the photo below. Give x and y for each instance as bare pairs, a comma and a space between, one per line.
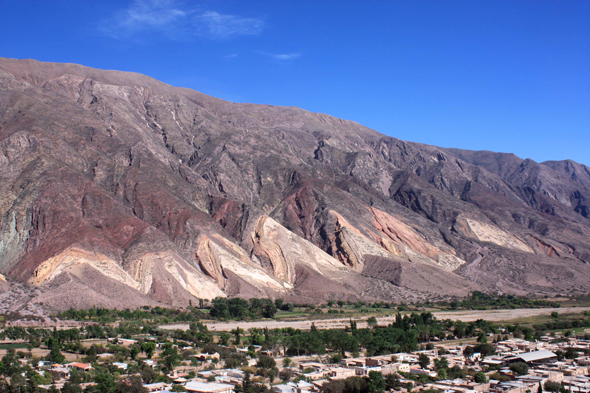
118, 190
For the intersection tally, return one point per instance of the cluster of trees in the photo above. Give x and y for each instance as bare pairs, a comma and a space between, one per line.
405, 334
155, 314
563, 324
238, 308
556, 387
373, 383
248, 386
219, 308
483, 301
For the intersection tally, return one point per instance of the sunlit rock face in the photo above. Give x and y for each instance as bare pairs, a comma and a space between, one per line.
117, 190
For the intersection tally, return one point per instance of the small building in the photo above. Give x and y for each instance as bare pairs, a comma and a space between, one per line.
79, 366
536, 357
317, 366
283, 388
204, 387
62, 372
292, 387
394, 368
149, 362
157, 387
341, 373
122, 366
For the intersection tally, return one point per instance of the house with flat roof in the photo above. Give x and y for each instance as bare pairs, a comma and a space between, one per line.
204, 387
157, 387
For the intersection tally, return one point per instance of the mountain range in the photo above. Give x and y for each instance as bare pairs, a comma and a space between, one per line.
117, 190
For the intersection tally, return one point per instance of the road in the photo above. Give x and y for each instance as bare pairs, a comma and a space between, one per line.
465, 316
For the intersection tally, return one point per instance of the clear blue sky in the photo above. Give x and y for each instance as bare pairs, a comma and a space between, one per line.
509, 76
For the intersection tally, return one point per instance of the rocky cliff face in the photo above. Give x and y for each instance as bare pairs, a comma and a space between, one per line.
119, 190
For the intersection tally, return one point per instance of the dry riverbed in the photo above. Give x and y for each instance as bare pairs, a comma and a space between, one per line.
463, 315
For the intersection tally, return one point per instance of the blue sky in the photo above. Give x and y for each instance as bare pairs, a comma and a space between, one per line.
509, 76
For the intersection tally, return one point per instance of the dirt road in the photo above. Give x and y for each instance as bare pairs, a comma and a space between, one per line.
465, 316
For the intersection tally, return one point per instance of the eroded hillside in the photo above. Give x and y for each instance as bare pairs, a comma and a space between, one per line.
116, 186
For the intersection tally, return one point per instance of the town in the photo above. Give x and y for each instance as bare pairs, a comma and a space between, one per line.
415, 353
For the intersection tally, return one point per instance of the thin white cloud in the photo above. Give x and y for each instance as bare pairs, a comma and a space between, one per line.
281, 56
221, 26
286, 56
173, 20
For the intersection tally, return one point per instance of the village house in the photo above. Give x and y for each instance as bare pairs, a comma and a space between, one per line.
295, 387
157, 387
203, 387
312, 365
459, 385
62, 372
79, 366
353, 362
532, 358
203, 357
122, 366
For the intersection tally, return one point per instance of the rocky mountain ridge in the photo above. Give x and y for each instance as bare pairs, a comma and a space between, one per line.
119, 190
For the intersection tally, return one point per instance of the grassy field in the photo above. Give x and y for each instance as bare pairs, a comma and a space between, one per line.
289, 315
540, 319
582, 301
14, 346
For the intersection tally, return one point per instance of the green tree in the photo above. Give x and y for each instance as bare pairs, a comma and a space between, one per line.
423, 360
55, 354
520, 368
286, 374
265, 361
376, 382
105, 382
135, 385
571, 353
134, 352
272, 374
560, 355
224, 338
441, 363
485, 349
148, 348
268, 308
71, 388
237, 334
170, 356
480, 377
468, 352
372, 322
552, 386
392, 381
148, 374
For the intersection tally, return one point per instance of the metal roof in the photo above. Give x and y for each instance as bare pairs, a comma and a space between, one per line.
537, 355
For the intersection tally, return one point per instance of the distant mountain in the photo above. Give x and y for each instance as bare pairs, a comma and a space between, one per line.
117, 190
